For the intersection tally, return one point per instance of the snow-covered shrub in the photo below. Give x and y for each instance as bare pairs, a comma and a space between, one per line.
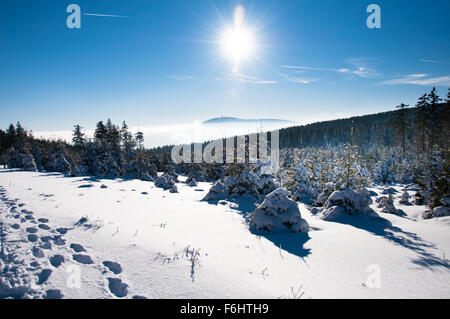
217, 191
267, 184
404, 199
27, 162
246, 184
214, 172
21, 158
99, 160
173, 189
387, 205
384, 172
80, 170
138, 166
196, 173
302, 188
389, 191
190, 181
441, 211
342, 203
278, 213
326, 192
59, 163
164, 181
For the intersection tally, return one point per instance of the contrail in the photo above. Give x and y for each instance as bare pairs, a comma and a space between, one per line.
104, 15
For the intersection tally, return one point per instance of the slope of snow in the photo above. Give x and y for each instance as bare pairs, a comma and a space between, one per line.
129, 238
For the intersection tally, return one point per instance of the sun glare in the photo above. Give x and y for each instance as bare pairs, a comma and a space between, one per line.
238, 41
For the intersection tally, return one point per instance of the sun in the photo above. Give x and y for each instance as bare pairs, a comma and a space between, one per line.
238, 41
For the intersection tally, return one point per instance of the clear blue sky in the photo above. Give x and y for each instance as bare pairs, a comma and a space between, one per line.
160, 61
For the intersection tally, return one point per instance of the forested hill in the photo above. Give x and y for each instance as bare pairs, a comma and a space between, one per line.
372, 129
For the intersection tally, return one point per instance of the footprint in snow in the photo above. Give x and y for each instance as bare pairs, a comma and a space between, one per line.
62, 230
32, 238
46, 245
77, 248
56, 260
82, 259
37, 252
53, 294
46, 238
117, 287
44, 227
43, 276
58, 240
113, 266
31, 230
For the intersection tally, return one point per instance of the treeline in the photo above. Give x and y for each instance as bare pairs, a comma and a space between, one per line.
114, 151
416, 128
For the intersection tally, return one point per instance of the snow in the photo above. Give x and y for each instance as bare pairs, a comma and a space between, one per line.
133, 239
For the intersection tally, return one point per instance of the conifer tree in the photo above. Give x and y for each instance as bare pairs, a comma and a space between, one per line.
400, 123
139, 139
434, 119
420, 121
100, 132
78, 138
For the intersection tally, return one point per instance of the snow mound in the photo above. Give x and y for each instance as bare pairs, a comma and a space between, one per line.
343, 203
278, 213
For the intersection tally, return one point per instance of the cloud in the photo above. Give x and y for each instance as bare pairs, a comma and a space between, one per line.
299, 80
104, 15
181, 77
358, 69
244, 78
420, 79
432, 61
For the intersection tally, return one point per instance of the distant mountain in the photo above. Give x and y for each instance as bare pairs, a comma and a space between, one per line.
221, 120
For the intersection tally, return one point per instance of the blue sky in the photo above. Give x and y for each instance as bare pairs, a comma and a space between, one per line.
160, 62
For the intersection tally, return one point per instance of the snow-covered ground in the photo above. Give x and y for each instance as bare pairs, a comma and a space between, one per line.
75, 238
